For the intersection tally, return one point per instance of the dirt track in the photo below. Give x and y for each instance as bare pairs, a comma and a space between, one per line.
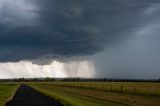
26, 96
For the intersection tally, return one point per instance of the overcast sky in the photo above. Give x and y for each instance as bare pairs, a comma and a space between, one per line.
80, 38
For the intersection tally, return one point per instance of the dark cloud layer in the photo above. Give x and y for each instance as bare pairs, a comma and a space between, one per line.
66, 28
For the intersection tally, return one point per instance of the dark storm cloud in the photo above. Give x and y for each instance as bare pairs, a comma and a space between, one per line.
66, 28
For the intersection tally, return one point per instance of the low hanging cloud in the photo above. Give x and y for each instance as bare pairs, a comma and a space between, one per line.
56, 69
33, 29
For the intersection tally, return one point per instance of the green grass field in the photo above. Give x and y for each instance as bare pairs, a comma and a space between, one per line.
7, 91
102, 93
139, 88
92, 93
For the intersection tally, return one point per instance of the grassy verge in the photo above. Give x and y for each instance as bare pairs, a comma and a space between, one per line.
92, 97
7, 92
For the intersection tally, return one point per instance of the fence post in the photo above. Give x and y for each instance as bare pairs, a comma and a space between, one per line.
154, 92
135, 89
111, 88
90, 85
103, 87
121, 88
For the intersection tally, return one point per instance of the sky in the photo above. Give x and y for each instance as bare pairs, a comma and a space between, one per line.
76, 38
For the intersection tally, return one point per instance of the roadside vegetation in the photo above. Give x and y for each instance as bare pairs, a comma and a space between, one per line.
102, 93
7, 91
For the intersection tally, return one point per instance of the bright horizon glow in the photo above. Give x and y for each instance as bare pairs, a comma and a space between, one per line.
55, 69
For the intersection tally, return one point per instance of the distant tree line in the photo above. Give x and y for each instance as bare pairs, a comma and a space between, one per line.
77, 80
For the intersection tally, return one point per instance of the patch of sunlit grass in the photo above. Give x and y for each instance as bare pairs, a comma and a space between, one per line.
7, 92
